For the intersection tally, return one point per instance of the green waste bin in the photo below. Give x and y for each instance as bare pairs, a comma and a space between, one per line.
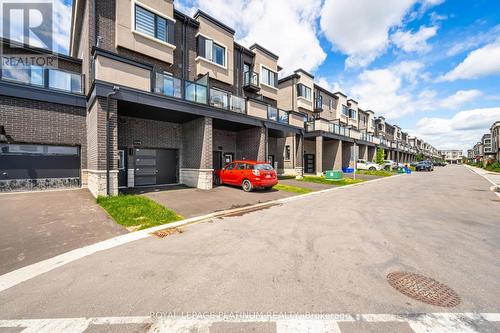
334, 175
401, 170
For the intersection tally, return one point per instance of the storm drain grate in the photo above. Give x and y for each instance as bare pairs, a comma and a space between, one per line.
423, 289
166, 232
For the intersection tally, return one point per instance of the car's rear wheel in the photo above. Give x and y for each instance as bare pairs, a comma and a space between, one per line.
217, 180
246, 185
371, 168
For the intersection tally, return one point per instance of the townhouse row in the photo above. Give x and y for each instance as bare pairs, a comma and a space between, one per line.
488, 148
151, 96
452, 156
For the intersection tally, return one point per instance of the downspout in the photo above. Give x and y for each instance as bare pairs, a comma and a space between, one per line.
266, 139
108, 98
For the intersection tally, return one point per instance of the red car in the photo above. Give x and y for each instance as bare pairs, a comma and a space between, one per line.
247, 174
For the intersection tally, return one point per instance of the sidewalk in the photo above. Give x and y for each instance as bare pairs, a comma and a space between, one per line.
492, 177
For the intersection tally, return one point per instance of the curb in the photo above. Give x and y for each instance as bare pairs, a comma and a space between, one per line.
23, 274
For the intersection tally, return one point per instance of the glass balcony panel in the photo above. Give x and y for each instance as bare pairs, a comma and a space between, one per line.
195, 92
238, 104
168, 85
33, 75
251, 78
66, 81
283, 116
219, 99
272, 113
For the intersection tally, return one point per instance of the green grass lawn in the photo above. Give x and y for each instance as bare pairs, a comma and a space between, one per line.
293, 189
137, 212
380, 173
323, 180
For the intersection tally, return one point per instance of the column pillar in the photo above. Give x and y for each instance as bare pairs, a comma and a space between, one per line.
319, 155
99, 145
337, 155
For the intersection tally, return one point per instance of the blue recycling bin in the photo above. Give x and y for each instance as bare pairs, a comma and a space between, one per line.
408, 171
348, 170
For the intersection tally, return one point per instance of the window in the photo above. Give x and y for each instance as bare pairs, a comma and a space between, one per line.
121, 159
330, 105
352, 114
211, 51
287, 152
231, 166
268, 77
150, 24
303, 91
345, 111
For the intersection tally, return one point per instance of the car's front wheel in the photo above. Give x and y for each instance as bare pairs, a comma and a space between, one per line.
247, 185
371, 168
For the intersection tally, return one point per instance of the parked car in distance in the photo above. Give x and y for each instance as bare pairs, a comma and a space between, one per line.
367, 165
389, 164
414, 164
424, 166
247, 174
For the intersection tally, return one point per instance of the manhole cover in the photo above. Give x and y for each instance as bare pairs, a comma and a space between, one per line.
423, 289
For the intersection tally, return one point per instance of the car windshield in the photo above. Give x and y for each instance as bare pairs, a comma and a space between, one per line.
266, 167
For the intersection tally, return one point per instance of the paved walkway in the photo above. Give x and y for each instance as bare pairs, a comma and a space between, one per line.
492, 177
39, 225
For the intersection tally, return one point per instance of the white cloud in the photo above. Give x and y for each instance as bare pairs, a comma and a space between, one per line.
478, 38
461, 131
387, 92
360, 28
481, 62
392, 91
285, 27
414, 42
459, 98
326, 84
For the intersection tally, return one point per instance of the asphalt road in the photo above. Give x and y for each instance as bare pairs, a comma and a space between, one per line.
329, 253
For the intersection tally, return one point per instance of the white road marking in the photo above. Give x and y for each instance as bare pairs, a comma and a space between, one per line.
419, 323
20, 275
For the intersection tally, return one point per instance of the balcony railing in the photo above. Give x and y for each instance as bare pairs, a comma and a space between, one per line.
283, 117
195, 92
318, 105
54, 79
168, 85
277, 115
251, 81
224, 100
366, 137
339, 130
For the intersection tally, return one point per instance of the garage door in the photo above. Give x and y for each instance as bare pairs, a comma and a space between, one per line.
25, 165
156, 166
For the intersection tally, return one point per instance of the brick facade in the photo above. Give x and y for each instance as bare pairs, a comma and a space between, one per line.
29, 121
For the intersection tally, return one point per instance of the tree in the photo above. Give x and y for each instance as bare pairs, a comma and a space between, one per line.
419, 157
379, 158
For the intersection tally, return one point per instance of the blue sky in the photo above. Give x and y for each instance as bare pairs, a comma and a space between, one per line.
430, 66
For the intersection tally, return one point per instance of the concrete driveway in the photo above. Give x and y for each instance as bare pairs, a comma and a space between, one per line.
191, 202
39, 225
